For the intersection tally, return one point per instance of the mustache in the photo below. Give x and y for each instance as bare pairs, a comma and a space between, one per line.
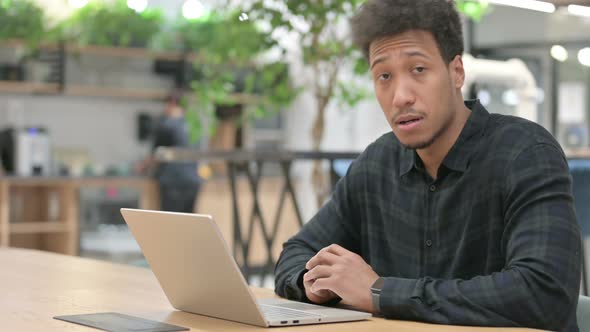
408, 111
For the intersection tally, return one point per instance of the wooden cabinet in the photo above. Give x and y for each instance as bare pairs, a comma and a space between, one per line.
43, 213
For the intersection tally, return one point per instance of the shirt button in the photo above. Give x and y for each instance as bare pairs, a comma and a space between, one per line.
429, 243
432, 188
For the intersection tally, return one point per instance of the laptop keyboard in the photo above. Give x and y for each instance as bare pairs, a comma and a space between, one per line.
276, 313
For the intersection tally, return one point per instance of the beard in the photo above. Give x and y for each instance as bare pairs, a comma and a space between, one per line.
428, 142
423, 144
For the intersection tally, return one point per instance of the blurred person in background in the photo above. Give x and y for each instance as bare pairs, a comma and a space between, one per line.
179, 182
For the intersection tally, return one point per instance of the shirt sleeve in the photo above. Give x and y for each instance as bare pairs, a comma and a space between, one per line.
333, 224
539, 285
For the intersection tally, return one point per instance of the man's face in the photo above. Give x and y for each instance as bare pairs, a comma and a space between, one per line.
416, 89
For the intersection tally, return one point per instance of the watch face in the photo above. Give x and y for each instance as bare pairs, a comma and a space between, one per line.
378, 285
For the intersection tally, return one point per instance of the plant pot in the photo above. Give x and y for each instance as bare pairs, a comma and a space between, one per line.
227, 134
228, 112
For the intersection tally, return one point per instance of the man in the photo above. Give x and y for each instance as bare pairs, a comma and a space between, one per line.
456, 217
179, 182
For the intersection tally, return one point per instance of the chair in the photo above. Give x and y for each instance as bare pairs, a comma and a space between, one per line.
580, 171
583, 313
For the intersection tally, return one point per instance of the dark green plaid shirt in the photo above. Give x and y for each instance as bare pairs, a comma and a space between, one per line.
493, 241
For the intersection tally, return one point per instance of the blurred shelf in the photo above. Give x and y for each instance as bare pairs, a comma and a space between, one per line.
28, 87
39, 227
114, 92
129, 52
147, 94
578, 153
108, 92
81, 91
13, 42
113, 51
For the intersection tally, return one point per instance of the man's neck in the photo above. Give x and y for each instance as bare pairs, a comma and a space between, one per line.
433, 155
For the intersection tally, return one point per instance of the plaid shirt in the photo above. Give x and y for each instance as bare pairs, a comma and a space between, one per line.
493, 241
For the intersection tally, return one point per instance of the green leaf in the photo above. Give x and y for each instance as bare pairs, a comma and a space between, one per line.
319, 48
112, 24
475, 10
22, 19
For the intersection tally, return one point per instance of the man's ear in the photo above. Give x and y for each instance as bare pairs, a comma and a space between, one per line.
457, 72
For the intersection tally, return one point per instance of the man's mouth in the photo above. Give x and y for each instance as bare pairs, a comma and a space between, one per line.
408, 121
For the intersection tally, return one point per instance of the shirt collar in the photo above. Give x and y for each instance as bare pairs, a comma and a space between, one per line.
460, 154
407, 160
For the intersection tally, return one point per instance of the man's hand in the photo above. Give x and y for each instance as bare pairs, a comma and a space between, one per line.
335, 271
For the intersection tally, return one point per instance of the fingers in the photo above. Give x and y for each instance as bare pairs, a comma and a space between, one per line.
317, 295
322, 286
320, 271
323, 257
321, 296
320, 281
337, 250
329, 255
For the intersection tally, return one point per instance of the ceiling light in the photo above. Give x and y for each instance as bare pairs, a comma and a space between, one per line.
244, 17
559, 53
485, 97
541, 6
579, 10
510, 97
137, 5
193, 9
584, 56
78, 3
540, 96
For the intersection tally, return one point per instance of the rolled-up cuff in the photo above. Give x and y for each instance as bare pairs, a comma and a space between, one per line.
294, 288
397, 298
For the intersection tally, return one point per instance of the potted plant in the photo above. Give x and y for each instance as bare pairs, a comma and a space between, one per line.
112, 24
23, 22
231, 84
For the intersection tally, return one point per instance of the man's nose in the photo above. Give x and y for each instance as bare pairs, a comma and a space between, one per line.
403, 96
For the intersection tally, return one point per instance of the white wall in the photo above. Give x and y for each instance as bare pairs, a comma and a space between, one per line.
105, 128
509, 25
346, 130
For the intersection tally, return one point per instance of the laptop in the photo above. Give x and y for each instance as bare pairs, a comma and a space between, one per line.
198, 274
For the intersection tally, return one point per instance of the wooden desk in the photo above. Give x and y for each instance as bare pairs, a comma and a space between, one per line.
35, 286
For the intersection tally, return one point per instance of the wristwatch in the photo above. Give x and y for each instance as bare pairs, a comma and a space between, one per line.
376, 294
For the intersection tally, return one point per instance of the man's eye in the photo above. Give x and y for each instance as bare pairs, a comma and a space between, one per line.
419, 69
384, 77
